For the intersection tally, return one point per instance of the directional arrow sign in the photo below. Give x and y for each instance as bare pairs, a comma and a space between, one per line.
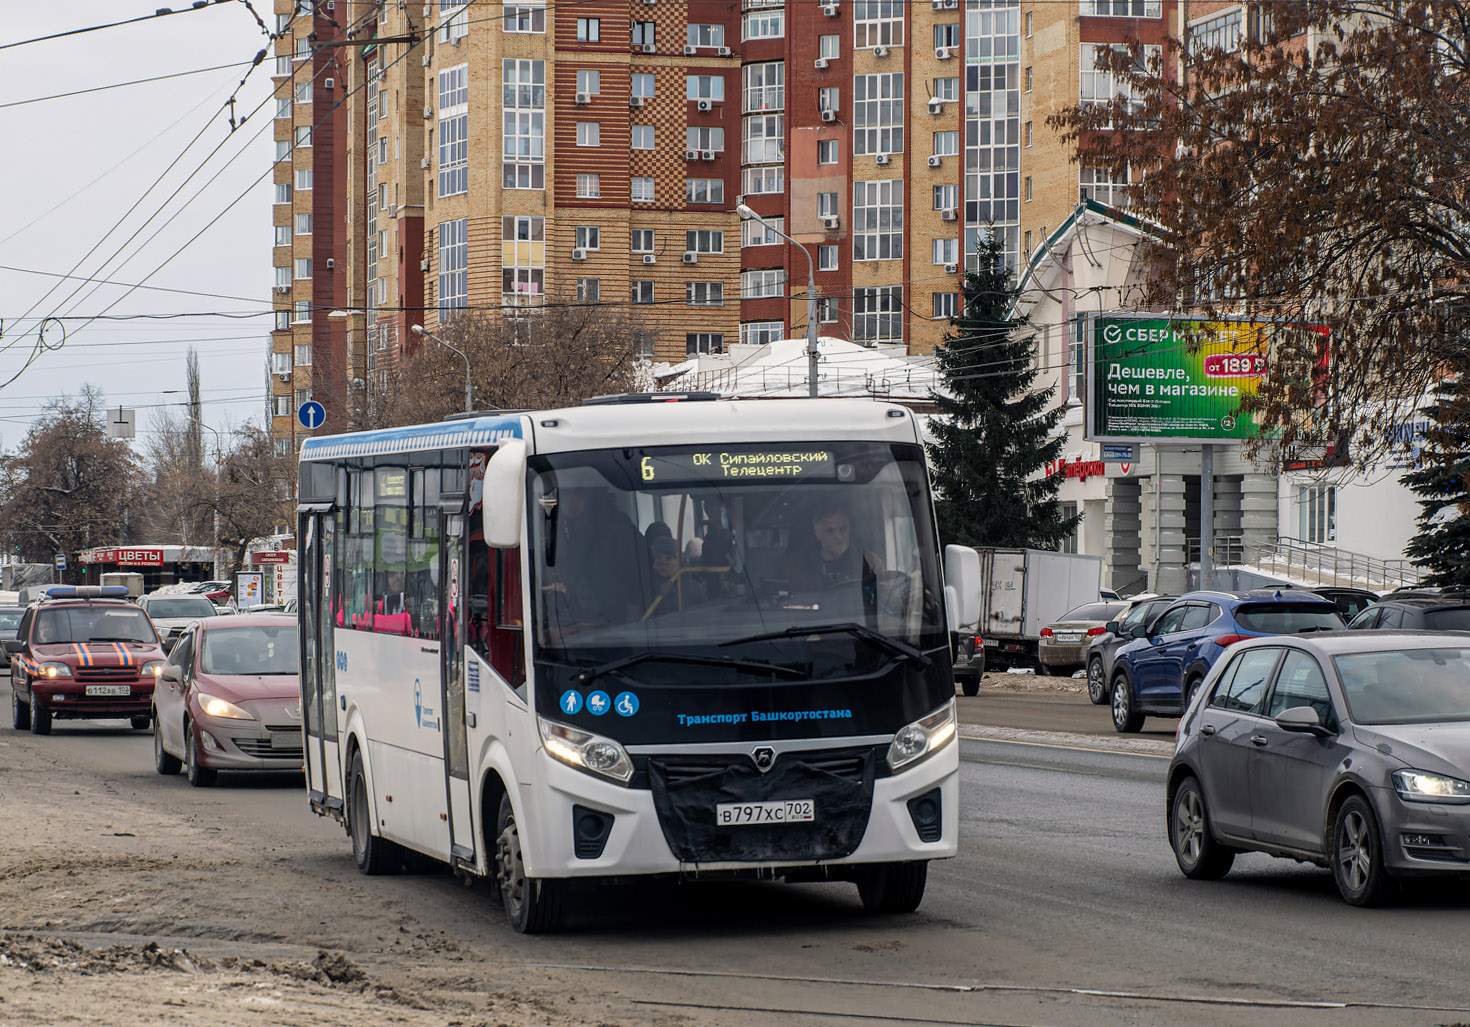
311, 414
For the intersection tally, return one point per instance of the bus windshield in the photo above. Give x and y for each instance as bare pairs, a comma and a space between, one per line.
707, 549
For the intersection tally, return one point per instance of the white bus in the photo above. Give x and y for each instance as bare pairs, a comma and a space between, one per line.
635, 637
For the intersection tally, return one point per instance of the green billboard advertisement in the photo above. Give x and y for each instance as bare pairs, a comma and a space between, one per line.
1162, 379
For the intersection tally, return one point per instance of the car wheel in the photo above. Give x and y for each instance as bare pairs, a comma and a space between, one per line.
199, 777
1195, 848
40, 719
163, 762
20, 712
1097, 684
533, 905
1126, 720
1043, 669
970, 685
1190, 687
1357, 854
141, 721
892, 887
374, 855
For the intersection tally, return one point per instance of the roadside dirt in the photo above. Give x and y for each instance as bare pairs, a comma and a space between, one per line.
1030, 681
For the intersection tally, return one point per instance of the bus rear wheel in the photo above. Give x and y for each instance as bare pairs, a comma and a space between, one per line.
533, 905
374, 855
892, 887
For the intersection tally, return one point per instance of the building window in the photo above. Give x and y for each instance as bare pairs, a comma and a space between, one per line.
282, 407
303, 180
1028, 133
1317, 505
454, 20
829, 47
589, 133
1077, 364
301, 312
1028, 24
1101, 85
704, 87
764, 24
705, 35
704, 240
643, 34
827, 151
589, 30
589, 237
283, 320
303, 354
704, 190
302, 137
697, 138
827, 205
643, 292
756, 233
589, 82
454, 262
589, 186
763, 285
1120, 9
589, 290
1028, 80
283, 192
946, 251
642, 137
523, 102
302, 223
946, 144
283, 277
1068, 511
877, 114
303, 267
829, 98
1028, 188
947, 34
877, 315
947, 89
877, 23
877, 220
643, 85
524, 17
762, 181
827, 310
765, 87
642, 190
704, 294
1105, 186
761, 333
522, 258
703, 342
643, 240
283, 235
827, 258
946, 304
946, 197
1222, 32
1027, 252
454, 130
763, 139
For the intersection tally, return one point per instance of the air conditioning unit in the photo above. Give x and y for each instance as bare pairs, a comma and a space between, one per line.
947, 214
951, 5
649, 258
428, 113
649, 48
329, 83
285, 376
425, 163
723, 51
691, 155
936, 105
283, 289
706, 105
950, 269
881, 159
428, 10
690, 257
935, 161
636, 101
579, 254
690, 51
829, 116
880, 51
583, 99
831, 222
707, 155
831, 10
821, 63
944, 53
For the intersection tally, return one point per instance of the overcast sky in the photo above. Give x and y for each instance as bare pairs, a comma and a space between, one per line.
74, 166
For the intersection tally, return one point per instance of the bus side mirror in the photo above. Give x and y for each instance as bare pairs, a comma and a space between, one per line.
962, 587
503, 501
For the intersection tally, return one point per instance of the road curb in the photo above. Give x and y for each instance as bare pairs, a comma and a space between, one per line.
1069, 740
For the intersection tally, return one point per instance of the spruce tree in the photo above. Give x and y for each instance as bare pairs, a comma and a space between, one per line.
1442, 480
994, 434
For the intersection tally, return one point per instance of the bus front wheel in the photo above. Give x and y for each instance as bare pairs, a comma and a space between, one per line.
532, 904
892, 887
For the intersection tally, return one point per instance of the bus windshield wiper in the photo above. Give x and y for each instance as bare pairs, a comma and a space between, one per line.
592, 673
893, 645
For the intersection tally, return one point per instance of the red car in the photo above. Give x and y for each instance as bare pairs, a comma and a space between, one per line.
83, 652
229, 699
217, 592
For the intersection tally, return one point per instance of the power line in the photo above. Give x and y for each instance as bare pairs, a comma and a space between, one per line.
122, 85
162, 12
108, 281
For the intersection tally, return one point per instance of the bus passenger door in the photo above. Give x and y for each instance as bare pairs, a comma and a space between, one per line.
318, 664
452, 611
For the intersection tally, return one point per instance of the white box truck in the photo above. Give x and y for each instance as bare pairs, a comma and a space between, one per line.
1021, 590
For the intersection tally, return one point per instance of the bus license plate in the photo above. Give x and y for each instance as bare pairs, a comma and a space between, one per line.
109, 690
786, 811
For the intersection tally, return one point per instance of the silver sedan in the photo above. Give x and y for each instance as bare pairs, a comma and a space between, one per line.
1350, 750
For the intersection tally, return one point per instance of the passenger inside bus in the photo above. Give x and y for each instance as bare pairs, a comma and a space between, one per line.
673, 587
595, 566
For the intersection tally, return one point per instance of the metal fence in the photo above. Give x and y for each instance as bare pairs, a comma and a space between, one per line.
1320, 564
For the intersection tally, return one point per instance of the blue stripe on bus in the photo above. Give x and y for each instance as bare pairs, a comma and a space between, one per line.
412, 439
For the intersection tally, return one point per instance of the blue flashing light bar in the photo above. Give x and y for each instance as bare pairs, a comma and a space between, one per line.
87, 592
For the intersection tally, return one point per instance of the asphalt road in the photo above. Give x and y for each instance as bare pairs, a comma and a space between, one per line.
1064, 907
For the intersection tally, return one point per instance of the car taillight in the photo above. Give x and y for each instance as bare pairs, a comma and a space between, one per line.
1094, 632
1225, 640
1046, 632
979, 642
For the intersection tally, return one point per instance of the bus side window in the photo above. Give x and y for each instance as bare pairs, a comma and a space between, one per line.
507, 653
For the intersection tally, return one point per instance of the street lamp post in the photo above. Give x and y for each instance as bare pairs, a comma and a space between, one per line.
812, 353
421, 330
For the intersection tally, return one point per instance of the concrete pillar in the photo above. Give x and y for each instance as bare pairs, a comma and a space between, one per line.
1123, 520
1258, 512
1172, 569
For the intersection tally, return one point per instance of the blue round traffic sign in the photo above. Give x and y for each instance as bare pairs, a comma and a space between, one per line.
598, 703
311, 414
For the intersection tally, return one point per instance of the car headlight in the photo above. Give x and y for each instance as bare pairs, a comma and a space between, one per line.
1417, 786
916, 741
217, 707
55, 670
151, 669
586, 751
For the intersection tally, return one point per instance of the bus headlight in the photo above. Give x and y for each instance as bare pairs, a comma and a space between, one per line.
55, 670
586, 751
916, 741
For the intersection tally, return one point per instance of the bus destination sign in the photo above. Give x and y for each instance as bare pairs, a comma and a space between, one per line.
738, 465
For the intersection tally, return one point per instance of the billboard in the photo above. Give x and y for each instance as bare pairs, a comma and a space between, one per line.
1172, 379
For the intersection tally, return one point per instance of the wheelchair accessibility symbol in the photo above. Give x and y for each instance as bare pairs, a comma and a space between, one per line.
626, 704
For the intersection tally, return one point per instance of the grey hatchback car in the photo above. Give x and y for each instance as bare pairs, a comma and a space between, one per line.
1350, 750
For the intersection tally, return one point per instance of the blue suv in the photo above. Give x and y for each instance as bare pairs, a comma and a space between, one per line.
1157, 672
